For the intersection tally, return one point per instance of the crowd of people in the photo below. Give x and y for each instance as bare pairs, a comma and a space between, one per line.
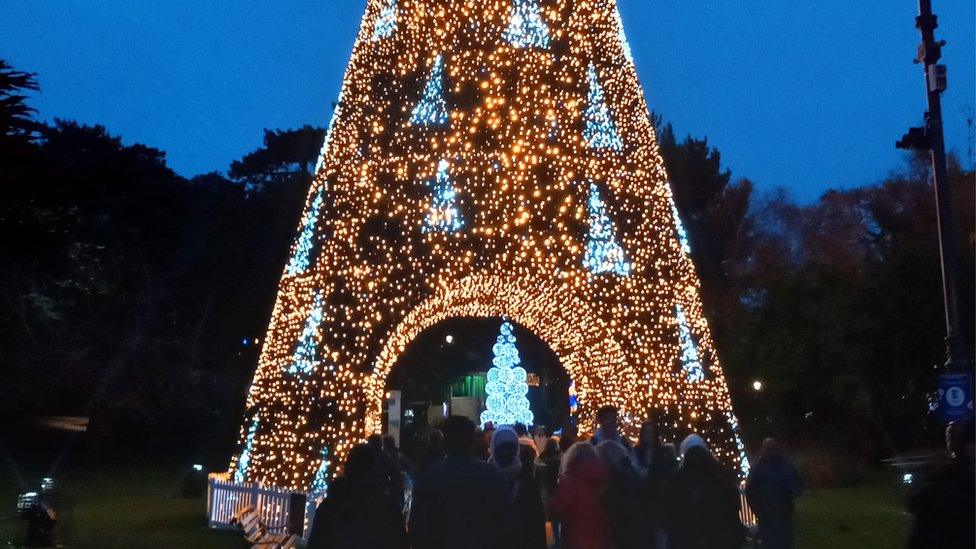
508, 487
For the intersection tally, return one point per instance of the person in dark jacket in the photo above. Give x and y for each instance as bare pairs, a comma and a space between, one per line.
625, 500
433, 452
526, 523
459, 501
577, 502
772, 485
703, 502
608, 427
942, 506
547, 468
358, 511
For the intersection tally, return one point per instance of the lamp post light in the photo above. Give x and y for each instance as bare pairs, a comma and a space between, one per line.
930, 138
757, 385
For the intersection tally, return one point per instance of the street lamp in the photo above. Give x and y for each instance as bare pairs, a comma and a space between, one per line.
757, 385
449, 338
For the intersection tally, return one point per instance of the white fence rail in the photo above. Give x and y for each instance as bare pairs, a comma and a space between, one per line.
226, 498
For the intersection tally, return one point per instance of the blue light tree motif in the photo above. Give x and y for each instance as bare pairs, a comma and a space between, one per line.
690, 358
600, 131
443, 215
526, 28
680, 229
386, 22
432, 108
320, 483
739, 446
603, 253
304, 359
301, 258
506, 386
244, 461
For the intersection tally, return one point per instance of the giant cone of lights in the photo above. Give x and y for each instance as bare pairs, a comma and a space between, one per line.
487, 158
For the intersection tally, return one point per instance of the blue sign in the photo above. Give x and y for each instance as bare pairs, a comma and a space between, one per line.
955, 397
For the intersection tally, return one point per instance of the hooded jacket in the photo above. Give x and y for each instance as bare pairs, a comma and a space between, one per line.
577, 504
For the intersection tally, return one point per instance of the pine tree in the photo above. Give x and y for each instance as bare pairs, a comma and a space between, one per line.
506, 402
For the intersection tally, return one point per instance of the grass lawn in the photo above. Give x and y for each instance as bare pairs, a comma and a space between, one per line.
138, 505
866, 516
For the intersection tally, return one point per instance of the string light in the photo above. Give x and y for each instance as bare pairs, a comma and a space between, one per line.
300, 257
320, 482
690, 360
432, 108
600, 131
244, 460
520, 128
386, 22
304, 360
603, 253
506, 385
443, 215
526, 28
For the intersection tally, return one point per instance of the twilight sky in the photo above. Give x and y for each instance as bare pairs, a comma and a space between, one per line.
803, 94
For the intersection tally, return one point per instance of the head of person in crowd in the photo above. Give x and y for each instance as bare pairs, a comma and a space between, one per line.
771, 448
505, 451
695, 454
389, 444
648, 435
615, 457
606, 421
577, 457
459, 434
362, 463
520, 430
551, 449
567, 437
375, 441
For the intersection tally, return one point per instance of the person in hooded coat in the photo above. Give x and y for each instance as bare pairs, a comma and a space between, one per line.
358, 512
772, 485
459, 501
703, 502
526, 524
576, 502
625, 500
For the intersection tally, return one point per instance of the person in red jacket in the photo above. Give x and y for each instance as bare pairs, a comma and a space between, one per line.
576, 502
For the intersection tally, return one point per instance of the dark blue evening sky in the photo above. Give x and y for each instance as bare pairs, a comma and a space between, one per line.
804, 94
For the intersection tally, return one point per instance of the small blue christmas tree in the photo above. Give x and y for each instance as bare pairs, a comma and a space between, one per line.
444, 215
603, 253
243, 462
600, 131
506, 386
690, 359
680, 228
320, 484
432, 108
303, 360
386, 22
300, 259
526, 29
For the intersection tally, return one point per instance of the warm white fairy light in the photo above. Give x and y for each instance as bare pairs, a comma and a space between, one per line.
521, 128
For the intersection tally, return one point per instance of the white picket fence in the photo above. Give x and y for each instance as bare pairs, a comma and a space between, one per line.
225, 498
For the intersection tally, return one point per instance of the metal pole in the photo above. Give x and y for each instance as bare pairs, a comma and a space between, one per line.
957, 359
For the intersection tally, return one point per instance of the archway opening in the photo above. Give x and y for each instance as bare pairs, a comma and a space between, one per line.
444, 371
